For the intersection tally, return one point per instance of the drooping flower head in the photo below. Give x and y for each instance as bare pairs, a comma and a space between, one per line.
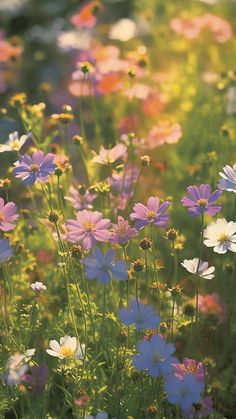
228, 181
155, 356
194, 265
141, 315
201, 200
185, 391
5, 250
35, 168
221, 236
88, 228
109, 156
122, 232
8, 215
103, 266
152, 213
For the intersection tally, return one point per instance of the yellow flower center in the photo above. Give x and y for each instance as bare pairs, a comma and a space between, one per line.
14, 145
1, 216
151, 215
66, 352
223, 237
88, 226
34, 167
202, 202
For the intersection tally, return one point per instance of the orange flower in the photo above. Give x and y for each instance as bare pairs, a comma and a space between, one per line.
110, 83
86, 18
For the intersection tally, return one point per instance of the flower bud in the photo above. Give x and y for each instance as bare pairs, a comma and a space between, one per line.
145, 243
53, 217
145, 161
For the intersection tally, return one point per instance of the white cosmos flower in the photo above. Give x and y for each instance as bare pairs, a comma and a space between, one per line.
193, 266
221, 235
14, 143
123, 30
67, 348
228, 183
15, 369
109, 156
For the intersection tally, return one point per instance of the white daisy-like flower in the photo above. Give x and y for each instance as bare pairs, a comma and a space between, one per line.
193, 266
228, 183
38, 287
123, 30
14, 143
67, 347
221, 235
15, 369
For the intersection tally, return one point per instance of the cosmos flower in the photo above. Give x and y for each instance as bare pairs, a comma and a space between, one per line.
15, 369
109, 156
86, 18
200, 410
141, 315
103, 266
88, 228
228, 183
201, 200
163, 133
193, 266
189, 366
67, 348
123, 30
7, 215
210, 304
80, 201
221, 236
155, 356
124, 180
35, 168
38, 287
14, 143
122, 232
185, 391
5, 250
152, 213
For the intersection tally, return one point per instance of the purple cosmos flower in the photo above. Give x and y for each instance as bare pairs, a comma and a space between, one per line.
36, 378
122, 232
103, 267
184, 391
201, 200
152, 213
38, 167
88, 228
80, 201
228, 181
141, 315
7, 215
124, 181
190, 365
155, 356
5, 250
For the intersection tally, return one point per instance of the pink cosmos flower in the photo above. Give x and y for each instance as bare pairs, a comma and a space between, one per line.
190, 28
88, 228
122, 232
80, 201
164, 132
190, 366
109, 156
7, 215
152, 213
210, 304
220, 28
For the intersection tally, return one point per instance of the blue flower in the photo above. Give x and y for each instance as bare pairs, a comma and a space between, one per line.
155, 356
185, 391
142, 315
5, 250
103, 267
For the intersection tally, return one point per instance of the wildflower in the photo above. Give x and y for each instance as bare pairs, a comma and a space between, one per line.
100, 415
122, 232
80, 201
7, 215
38, 287
123, 30
201, 200
145, 243
103, 266
15, 369
221, 235
35, 168
199, 410
152, 213
88, 227
155, 356
202, 268
189, 366
5, 250
164, 132
14, 143
109, 156
66, 349
86, 18
36, 378
124, 180
211, 304
228, 183
141, 315
184, 391
29, 353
